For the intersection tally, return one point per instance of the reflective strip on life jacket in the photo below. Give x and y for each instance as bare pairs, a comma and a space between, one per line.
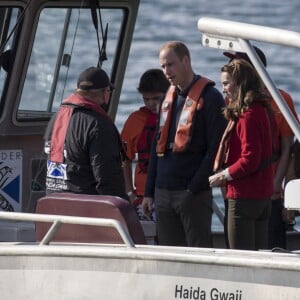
193, 102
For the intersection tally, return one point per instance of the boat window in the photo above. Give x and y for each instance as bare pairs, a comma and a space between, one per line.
65, 44
8, 19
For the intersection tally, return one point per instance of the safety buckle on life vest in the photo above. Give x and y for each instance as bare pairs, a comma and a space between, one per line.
170, 146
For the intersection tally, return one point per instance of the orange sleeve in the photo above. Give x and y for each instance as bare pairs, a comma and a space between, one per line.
283, 126
131, 132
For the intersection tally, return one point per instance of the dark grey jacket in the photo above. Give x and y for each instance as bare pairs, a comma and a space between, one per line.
93, 161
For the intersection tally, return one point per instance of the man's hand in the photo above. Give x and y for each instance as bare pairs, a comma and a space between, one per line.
147, 207
288, 215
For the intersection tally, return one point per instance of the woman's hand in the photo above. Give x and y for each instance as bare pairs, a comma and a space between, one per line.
217, 179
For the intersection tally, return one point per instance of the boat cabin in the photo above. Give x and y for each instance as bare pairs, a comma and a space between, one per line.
44, 45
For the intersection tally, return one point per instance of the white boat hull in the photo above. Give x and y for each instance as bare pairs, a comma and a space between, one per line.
145, 272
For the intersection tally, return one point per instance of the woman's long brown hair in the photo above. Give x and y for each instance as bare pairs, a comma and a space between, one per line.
249, 88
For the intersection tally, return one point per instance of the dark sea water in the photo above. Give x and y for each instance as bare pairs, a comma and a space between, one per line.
159, 21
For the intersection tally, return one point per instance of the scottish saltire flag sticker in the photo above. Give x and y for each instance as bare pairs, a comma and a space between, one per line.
11, 162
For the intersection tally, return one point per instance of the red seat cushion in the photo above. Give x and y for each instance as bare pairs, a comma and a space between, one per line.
95, 206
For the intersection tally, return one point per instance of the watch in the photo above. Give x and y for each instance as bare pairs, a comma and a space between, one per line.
130, 193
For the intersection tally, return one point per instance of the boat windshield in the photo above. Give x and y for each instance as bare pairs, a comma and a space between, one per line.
64, 43
8, 17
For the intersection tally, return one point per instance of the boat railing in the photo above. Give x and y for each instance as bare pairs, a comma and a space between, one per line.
58, 220
235, 36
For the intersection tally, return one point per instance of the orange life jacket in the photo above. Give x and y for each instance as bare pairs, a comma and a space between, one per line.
62, 121
145, 140
193, 102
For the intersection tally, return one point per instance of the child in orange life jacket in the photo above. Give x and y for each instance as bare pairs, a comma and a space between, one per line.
138, 132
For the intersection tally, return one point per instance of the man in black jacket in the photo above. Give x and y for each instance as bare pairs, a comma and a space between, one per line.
84, 147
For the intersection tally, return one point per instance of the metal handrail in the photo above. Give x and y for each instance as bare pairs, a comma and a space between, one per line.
58, 220
248, 31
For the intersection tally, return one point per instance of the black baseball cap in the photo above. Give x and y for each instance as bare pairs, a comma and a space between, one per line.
242, 55
93, 78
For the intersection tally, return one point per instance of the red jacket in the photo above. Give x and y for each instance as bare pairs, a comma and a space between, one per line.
250, 144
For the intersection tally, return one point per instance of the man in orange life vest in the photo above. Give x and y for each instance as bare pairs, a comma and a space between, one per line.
190, 128
279, 216
138, 132
84, 147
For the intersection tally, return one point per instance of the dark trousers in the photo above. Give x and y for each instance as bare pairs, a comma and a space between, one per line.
277, 229
226, 223
183, 218
248, 223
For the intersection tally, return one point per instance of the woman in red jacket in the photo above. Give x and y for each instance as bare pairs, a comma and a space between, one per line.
245, 155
